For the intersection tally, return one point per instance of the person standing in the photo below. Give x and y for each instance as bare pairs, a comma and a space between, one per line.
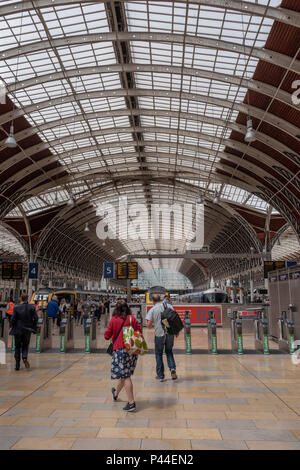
99, 311
79, 315
162, 339
9, 310
53, 310
24, 322
122, 363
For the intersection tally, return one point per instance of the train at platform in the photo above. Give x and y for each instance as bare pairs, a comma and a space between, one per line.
209, 296
43, 296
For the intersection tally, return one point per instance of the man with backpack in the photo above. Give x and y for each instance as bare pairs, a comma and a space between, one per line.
166, 325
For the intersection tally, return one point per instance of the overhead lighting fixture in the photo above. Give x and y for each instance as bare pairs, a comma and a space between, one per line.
86, 228
200, 199
103, 244
250, 134
216, 198
56, 201
11, 141
112, 250
71, 200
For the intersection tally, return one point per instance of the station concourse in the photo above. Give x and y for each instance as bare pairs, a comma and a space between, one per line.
150, 150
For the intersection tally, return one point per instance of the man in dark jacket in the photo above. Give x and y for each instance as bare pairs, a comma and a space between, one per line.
24, 322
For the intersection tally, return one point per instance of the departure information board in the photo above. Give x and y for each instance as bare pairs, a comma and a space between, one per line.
272, 266
12, 271
132, 270
121, 270
127, 270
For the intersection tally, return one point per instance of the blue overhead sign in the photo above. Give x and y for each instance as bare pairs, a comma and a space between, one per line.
289, 264
108, 270
33, 270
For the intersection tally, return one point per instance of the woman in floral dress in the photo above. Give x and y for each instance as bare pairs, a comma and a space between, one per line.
122, 363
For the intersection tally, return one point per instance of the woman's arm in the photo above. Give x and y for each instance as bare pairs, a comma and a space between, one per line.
109, 332
136, 325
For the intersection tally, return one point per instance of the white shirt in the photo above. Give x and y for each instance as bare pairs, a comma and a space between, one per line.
154, 315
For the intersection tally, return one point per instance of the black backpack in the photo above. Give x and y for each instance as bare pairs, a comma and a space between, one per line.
171, 320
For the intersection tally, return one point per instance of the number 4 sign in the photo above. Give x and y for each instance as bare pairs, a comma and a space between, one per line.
33, 270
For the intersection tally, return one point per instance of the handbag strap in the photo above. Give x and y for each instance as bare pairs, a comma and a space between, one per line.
119, 331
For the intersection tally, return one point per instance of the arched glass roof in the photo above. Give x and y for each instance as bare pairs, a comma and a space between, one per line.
162, 277
149, 99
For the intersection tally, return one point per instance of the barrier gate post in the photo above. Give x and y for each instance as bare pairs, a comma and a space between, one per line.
63, 333
39, 335
212, 333
187, 332
286, 340
13, 346
261, 332
90, 334
4, 330
236, 334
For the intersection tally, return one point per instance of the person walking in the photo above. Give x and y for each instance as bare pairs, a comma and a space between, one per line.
162, 339
122, 363
24, 322
79, 315
9, 310
53, 310
99, 311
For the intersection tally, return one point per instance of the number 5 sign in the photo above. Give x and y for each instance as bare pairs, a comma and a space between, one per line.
33, 270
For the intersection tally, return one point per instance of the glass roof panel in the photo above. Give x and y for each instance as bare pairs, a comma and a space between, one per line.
74, 109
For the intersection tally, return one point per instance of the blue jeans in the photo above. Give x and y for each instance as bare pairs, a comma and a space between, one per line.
160, 342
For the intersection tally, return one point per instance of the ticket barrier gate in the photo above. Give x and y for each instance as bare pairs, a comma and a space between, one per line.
66, 331
236, 334
212, 333
43, 339
286, 341
4, 330
187, 332
91, 335
261, 333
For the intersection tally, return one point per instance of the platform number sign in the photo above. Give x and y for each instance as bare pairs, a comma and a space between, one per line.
108, 270
33, 270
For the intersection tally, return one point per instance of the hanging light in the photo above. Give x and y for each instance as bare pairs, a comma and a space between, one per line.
216, 198
200, 199
56, 201
250, 134
112, 250
103, 244
86, 228
71, 200
11, 141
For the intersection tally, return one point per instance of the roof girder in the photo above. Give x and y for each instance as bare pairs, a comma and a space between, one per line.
281, 15
260, 87
266, 55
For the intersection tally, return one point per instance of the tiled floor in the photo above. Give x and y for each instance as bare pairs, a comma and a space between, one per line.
218, 402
